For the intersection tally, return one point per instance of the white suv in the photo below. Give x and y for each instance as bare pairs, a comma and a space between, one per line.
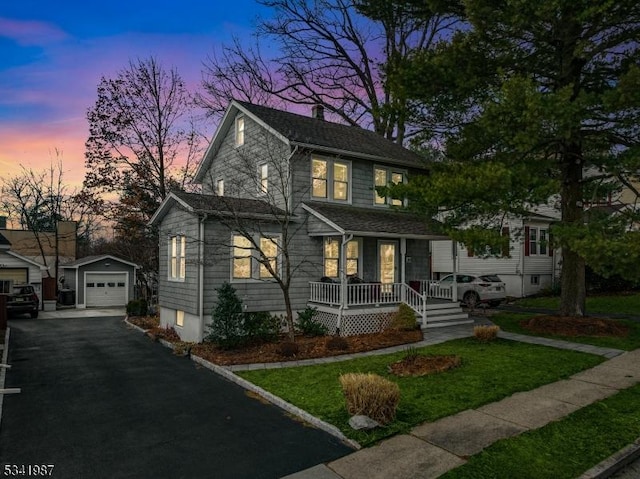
473, 290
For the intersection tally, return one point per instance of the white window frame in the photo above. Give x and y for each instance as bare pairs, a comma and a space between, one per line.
177, 249
179, 318
389, 172
536, 237
535, 279
5, 286
240, 129
263, 178
330, 180
220, 187
257, 271
357, 259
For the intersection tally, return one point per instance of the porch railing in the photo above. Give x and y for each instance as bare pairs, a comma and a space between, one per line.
363, 294
433, 289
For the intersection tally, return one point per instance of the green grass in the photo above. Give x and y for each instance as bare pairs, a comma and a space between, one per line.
511, 322
609, 304
562, 449
489, 372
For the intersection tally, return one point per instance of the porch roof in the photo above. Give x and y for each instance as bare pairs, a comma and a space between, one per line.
389, 223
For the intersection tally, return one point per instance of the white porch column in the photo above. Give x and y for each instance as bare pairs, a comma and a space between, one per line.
454, 284
343, 279
403, 267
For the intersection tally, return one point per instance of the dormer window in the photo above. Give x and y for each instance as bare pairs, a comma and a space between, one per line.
240, 131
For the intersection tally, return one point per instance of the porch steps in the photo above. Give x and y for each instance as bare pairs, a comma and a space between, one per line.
445, 314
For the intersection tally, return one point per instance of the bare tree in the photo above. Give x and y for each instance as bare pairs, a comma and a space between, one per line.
329, 54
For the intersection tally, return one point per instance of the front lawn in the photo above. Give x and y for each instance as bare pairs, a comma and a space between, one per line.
511, 322
609, 304
489, 372
562, 449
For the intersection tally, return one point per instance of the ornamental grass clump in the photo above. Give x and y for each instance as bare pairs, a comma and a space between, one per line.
370, 395
486, 334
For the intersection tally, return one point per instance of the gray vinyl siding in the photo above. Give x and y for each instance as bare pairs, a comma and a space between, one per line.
417, 260
238, 166
179, 295
259, 295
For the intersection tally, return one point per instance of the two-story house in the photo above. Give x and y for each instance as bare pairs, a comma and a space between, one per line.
291, 199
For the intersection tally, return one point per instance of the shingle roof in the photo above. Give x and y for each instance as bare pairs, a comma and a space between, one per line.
375, 221
227, 204
314, 132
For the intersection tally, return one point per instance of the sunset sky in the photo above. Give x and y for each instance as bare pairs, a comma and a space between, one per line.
53, 54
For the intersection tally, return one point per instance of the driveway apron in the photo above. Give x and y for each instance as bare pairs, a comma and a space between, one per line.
98, 401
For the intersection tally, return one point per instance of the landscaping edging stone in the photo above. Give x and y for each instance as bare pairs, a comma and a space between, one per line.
3, 371
614, 463
273, 399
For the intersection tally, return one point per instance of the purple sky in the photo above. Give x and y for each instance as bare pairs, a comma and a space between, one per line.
53, 54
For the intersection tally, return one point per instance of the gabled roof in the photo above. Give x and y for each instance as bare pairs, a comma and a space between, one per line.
318, 135
94, 259
381, 222
26, 260
216, 205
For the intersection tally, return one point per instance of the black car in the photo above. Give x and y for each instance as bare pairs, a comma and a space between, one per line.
23, 299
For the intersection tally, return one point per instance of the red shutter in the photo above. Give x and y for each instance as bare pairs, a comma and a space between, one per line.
469, 251
526, 241
505, 232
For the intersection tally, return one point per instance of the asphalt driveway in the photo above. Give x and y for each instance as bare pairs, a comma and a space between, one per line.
100, 401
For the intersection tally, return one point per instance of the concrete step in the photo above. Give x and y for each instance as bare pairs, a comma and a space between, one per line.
441, 324
432, 306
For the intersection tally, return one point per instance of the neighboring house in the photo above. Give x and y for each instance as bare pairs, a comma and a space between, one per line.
277, 177
529, 267
98, 281
24, 242
18, 269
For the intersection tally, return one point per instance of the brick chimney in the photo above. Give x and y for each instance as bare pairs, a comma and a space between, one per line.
317, 112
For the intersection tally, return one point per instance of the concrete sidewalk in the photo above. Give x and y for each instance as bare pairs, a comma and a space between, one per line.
432, 449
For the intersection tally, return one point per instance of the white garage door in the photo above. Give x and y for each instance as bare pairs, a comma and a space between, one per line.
106, 289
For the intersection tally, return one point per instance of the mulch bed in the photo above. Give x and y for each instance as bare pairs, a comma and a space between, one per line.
145, 322
421, 365
571, 326
308, 348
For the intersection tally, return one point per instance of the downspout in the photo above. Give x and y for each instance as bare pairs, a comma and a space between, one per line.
343, 280
522, 249
201, 275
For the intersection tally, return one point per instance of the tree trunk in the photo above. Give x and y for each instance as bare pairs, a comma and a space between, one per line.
573, 285
291, 333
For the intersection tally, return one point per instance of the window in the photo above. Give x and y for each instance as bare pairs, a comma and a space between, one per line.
241, 257
382, 177
177, 258
5, 286
535, 279
120, 285
179, 318
332, 257
263, 176
246, 259
536, 241
240, 131
330, 179
220, 187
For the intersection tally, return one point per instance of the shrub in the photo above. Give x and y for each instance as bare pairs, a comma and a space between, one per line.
404, 319
288, 349
485, 334
337, 343
137, 307
370, 395
227, 320
261, 326
309, 326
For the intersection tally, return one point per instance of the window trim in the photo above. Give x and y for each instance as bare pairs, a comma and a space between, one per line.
330, 179
325, 258
263, 179
179, 320
240, 130
177, 262
255, 266
389, 172
534, 235
219, 187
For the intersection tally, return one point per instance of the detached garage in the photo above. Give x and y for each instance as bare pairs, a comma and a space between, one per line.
99, 282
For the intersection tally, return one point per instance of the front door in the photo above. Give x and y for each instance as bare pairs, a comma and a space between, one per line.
388, 262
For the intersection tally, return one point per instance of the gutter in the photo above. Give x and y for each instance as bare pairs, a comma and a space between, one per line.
201, 275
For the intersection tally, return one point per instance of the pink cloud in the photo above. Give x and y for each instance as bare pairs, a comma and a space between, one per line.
29, 33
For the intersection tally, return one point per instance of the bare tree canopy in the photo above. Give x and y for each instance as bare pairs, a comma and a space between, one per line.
328, 53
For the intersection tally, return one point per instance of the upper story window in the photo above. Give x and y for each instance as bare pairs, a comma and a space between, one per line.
330, 179
536, 241
382, 177
177, 257
240, 131
220, 187
263, 178
249, 263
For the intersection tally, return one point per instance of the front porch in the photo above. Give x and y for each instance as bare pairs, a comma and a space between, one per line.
367, 307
